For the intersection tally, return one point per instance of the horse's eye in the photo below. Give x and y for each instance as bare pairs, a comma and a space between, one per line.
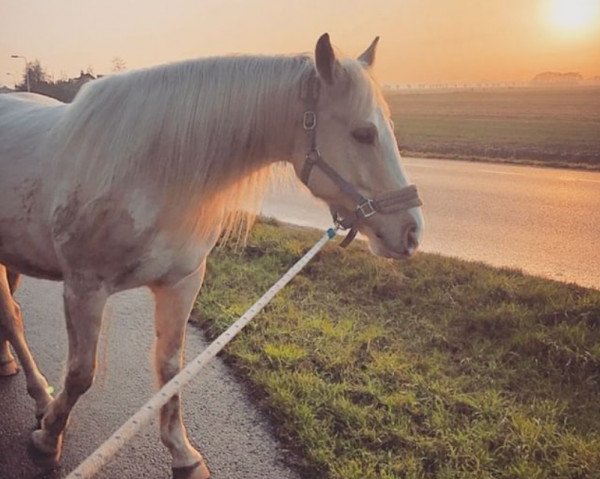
365, 135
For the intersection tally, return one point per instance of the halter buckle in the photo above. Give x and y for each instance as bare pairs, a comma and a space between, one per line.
366, 209
309, 120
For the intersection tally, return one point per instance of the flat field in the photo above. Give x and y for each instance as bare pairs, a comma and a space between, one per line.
432, 368
559, 127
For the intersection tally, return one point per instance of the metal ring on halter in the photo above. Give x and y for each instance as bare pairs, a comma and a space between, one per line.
309, 121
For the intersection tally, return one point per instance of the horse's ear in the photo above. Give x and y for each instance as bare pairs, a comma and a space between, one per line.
325, 58
368, 56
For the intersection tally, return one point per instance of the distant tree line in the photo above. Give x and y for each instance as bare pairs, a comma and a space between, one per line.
65, 89
558, 78
41, 82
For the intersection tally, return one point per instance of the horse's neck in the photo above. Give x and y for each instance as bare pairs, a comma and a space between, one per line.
268, 131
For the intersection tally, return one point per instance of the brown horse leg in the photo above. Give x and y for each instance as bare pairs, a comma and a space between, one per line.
173, 306
8, 364
14, 279
84, 305
11, 330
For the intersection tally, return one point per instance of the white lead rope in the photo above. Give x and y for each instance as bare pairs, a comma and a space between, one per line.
147, 412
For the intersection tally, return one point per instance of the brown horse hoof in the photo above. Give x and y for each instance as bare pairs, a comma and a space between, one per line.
9, 368
46, 462
41, 453
198, 470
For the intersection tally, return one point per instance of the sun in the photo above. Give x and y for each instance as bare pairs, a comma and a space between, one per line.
573, 16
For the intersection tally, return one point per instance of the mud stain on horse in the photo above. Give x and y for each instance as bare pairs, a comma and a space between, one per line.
112, 248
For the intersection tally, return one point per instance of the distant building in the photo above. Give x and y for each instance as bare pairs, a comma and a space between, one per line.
83, 77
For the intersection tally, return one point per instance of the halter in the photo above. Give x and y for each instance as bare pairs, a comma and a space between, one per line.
392, 201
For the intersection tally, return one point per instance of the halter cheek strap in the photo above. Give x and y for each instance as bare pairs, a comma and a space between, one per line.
397, 200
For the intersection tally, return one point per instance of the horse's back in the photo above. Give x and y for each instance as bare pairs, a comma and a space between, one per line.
26, 122
20, 106
33, 98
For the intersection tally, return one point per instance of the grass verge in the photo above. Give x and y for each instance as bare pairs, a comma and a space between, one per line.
433, 368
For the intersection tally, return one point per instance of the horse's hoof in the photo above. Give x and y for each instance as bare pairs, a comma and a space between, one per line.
198, 470
43, 454
9, 368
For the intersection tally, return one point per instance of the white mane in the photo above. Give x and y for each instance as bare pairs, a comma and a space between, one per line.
185, 130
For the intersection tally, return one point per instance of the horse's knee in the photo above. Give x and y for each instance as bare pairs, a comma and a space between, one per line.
167, 367
78, 386
79, 381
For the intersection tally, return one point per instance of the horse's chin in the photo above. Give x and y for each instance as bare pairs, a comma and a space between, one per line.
378, 248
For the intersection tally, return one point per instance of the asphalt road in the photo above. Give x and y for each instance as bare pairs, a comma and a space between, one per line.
541, 220
235, 439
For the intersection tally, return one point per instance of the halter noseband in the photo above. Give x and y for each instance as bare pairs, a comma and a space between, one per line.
396, 200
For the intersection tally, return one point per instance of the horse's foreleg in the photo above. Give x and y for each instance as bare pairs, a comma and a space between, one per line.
173, 306
11, 330
83, 312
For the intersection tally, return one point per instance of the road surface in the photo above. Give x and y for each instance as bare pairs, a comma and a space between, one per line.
541, 220
235, 439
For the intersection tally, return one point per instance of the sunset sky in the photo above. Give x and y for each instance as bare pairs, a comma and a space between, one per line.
422, 41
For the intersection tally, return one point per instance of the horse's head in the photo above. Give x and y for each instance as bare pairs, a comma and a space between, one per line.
352, 160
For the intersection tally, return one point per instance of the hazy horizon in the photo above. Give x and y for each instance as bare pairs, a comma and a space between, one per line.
427, 41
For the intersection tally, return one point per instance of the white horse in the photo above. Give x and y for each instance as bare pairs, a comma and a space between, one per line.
132, 184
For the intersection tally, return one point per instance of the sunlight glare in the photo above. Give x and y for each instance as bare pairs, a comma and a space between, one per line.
574, 16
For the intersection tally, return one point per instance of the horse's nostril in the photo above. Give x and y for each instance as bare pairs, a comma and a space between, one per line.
411, 241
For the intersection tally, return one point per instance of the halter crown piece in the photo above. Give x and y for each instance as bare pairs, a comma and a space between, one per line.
389, 202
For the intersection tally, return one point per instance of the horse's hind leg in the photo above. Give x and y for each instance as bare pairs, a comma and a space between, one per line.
8, 364
11, 330
84, 305
14, 279
173, 306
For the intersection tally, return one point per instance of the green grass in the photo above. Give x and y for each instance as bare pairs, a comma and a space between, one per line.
432, 368
555, 127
